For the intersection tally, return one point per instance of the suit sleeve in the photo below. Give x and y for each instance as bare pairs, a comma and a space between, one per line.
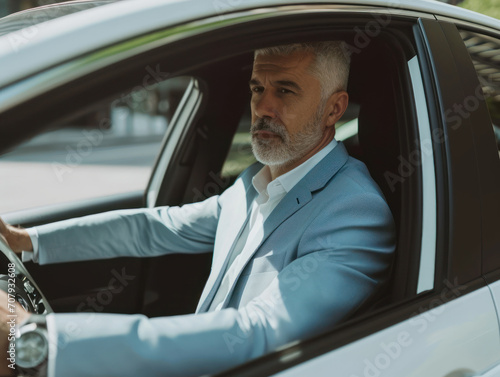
136, 233
312, 294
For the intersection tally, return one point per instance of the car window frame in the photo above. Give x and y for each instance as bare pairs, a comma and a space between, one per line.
489, 169
455, 261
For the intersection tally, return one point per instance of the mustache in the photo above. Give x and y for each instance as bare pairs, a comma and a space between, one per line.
264, 124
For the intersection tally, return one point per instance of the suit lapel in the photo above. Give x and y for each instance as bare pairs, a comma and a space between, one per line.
286, 208
298, 197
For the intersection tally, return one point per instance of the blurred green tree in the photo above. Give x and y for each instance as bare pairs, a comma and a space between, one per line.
488, 7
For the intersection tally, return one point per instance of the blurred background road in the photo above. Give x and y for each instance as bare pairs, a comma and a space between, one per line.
75, 163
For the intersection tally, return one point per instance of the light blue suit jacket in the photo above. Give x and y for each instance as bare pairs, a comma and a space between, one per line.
326, 249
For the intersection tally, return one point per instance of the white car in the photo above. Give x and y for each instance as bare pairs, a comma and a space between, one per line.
145, 103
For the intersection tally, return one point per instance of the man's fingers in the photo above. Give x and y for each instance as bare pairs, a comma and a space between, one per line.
4, 231
17, 238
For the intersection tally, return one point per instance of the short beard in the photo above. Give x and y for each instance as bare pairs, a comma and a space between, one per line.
286, 149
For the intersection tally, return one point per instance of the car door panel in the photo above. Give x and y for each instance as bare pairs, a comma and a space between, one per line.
444, 337
495, 292
480, 71
432, 343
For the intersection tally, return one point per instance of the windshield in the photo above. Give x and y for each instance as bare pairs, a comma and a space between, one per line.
30, 17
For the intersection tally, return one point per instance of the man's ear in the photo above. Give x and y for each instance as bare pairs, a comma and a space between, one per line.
336, 106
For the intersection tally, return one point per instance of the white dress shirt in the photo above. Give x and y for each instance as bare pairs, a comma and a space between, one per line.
270, 194
27, 256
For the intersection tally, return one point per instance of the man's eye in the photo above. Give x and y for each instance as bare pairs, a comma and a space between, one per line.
285, 91
256, 89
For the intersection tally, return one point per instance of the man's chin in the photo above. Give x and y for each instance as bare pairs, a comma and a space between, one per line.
270, 158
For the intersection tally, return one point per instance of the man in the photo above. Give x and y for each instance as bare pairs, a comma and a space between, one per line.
299, 244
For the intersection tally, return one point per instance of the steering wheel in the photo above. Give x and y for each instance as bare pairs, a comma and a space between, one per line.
18, 283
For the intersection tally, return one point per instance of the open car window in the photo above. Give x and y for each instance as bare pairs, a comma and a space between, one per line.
104, 149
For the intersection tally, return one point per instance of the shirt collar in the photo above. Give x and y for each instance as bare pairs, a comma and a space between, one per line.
262, 180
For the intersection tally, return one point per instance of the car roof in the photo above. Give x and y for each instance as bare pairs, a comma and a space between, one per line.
67, 37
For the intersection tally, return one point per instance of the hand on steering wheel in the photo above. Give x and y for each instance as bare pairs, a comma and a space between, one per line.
18, 239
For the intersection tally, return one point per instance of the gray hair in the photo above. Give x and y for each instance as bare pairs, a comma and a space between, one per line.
330, 67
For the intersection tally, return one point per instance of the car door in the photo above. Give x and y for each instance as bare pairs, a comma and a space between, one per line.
447, 323
440, 318
483, 45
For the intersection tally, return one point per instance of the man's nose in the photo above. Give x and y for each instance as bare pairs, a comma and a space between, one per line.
266, 106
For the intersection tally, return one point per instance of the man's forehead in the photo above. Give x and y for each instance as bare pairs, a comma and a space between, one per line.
296, 62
